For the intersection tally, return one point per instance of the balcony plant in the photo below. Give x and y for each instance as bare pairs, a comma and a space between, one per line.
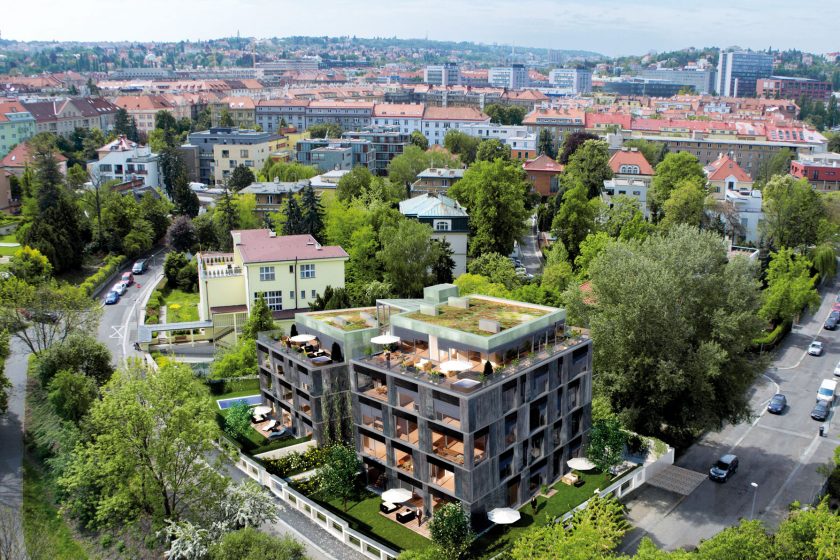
488, 371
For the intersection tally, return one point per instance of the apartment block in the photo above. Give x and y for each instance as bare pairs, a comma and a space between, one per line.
242, 146
522, 144
784, 87
329, 154
442, 74
427, 415
738, 72
571, 81
63, 116
16, 125
821, 170
703, 81
386, 142
123, 160
272, 115
437, 121
509, 77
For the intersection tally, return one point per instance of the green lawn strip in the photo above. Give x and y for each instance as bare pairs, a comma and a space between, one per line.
243, 393
364, 517
500, 538
8, 251
44, 528
9, 238
188, 302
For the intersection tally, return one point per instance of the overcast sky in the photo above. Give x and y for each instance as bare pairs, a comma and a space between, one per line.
611, 27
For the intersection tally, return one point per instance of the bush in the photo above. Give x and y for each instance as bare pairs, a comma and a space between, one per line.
223, 386
78, 352
296, 463
772, 338
279, 445
111, 265
834, 483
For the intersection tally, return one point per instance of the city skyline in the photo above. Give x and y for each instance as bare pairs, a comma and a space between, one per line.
604, 26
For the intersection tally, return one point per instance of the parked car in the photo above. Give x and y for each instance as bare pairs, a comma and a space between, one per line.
816, 348
777, 404
139, 267
837, 369
830, 323
128, 278
521, 270
835, 307
821, 410
112, 298
725, 467
828, 389
837, 298
120, 288
835, 315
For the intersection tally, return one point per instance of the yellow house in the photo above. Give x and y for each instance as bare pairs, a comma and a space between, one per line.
227, 156
289, 271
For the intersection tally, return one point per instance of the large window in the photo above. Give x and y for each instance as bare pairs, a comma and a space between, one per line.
307, 271
266, 273
274, 300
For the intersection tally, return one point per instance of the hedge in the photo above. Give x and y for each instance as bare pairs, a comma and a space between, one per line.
296, 463
111, 265
772, 338
279, 445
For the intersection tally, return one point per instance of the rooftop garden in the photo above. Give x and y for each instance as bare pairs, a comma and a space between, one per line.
467, 319
346, 319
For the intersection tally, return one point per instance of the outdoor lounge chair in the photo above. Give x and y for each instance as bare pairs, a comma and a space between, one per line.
406, 516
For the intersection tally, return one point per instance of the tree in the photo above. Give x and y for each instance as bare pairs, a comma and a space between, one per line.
575, 219
71, 394
779, 164
590, 164
462, 144
824, 258
294, 217
76, 177
624, 219
151, 434
748, 540
240, 178
30, 265
403, 169
225, 119
247, 504
450, 531
312, 219
238, 361
172, 264
238, 419
155, 211
497, 268
226, 219
444, 263
589, 248
653, 151
80, 353
672, 319
406, 256
418, 139
672, 170
491, 149
685, 205
545, 143
790, 287
251, 544
792, 213
176, 182
326, 130
352, 184
571, 144
260, 319
606, 443
187, 541
11, 535
494, 195
46, 314
125, 125
337, 478
505, 114
5, 386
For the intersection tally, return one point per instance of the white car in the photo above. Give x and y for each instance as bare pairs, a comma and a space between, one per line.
816, 348
837, 369
120, 288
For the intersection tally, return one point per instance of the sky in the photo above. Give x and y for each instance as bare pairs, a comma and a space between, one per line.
611, 27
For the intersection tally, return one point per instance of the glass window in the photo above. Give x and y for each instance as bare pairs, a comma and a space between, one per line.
273, 299
441, 225
291, 294
266, 273
303, 294
307, 271
314, 294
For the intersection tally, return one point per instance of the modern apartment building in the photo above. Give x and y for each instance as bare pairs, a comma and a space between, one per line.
738, 72
329, 154
272, 114
387, 143
821, 170
236, 142
16, 125
227, 157
514, 76
784, 87
289, 271
442, 75
437, 121
571, 81
427, 413
407, 117
703, 81
449, 222
522, 144
123, 160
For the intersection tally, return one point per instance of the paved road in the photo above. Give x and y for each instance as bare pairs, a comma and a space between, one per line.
779, 453
531, 255
11, 429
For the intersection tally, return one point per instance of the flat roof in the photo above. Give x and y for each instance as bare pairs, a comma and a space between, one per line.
507, 314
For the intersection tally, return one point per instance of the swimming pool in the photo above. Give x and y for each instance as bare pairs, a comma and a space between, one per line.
252, 400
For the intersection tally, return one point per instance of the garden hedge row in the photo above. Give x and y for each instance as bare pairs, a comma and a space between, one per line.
111, 265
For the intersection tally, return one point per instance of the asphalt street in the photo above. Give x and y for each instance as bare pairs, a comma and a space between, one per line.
779, 453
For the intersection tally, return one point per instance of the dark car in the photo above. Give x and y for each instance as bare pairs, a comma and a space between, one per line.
725, 467
777, 404
830, 323
139, 267
821, 410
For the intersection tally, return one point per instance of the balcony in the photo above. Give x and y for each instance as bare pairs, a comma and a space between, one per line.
311, 354
448, 447
443, 477
217, 265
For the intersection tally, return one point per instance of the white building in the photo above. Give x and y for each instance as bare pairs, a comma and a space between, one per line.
509, 77
442, 75
633, 188
523, 144
123, 160
449, 222
437, 121
748, 203
408, 117
571, 81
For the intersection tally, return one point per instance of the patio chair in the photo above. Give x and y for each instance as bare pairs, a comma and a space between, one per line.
406, 516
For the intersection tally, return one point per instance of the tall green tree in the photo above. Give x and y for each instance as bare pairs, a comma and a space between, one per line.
240, 178
225, 118
294, 217
778, 164
793, 212
403, 169
685, 205
494, 195
654, 152
444, 263
575, 219
226, 219
462, 144
352, 184
545, 143
418, 139
30, 265
312, 213
590, 164
790, 287
672, 319
151, 434
491, 149
451, 532
259, 320
326, 130
748, 540
672, 170
407, 254
337, 478
72, 394
606, 443
571, 144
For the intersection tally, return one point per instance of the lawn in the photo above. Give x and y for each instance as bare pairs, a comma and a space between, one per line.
8, 251
46, 533
181, 306
363, 516
500, 538
8, 238
467, 320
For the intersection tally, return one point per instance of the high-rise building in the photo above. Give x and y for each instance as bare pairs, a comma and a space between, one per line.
571, 80
738, 72
514, 76
442, 74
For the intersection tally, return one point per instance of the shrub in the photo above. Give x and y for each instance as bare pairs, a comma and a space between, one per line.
295, 463
773, 337
111, 265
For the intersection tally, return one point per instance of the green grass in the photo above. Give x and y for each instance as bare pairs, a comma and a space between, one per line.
9, 238
500, 538
467, 320
363, 516
44, 528
8, 251
187, 303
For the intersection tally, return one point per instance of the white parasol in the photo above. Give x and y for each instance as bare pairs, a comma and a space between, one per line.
580, 464
385, 339
299, 338
503, 516
261, 411
455, 365
397, 495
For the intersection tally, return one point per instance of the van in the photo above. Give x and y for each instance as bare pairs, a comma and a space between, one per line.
827, 389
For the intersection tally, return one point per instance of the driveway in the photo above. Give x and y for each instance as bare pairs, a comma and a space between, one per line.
11, 428
530, 254
781, 454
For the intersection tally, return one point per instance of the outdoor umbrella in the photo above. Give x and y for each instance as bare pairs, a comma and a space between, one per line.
580, 464
385, 339
455, 365
503, 516
261, 411
396, 495
299, 338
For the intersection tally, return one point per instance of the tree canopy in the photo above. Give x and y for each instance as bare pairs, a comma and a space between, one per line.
674, 168
793, 212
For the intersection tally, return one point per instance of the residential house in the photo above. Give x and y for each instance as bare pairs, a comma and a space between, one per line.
821, 170
123, 160
143, 108
544, 175
522, 144
63, 116
16, 125
748, 204
407, 117
449, 222
437, 121
214, 168
630, 163
436, 180
272, 195
288, 271
16, 161
724, 175
327, 182
349, 115
242, 111
425, 417
627, 185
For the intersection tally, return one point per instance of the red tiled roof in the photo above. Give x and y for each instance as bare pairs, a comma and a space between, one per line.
723, 167
410, 110
630, 157
536, 115
143, 102
20, 157
543, 163
454, 114
257, 245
